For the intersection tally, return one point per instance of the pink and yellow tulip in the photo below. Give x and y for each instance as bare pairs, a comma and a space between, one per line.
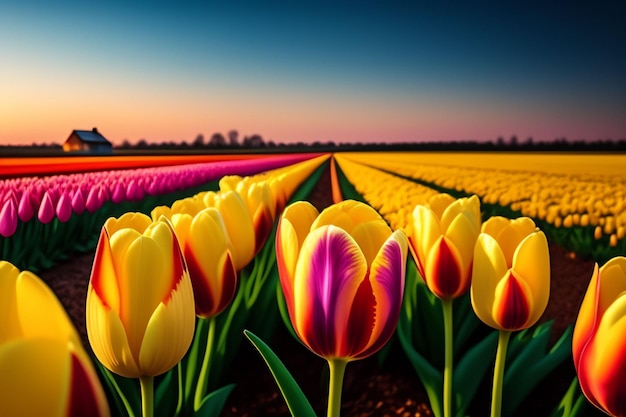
342, 274
598, 345
511, 273
140, 303
44, 369
442, 236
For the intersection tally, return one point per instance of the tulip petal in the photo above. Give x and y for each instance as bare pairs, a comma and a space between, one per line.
387, 277
293, 227
370, 237
87, 397
11, 327
103, 274
603, 362
107, 337
489, 266
347, 215
531, 261
444, 275
169, 331
330, 268
35, 377
513, 303
34, 297
239, 226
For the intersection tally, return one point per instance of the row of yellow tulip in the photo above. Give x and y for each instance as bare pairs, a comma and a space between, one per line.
562, 190
392, 196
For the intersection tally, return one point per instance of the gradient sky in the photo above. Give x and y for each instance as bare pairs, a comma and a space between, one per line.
305, 71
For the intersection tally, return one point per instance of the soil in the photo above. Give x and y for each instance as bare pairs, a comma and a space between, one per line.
369, 389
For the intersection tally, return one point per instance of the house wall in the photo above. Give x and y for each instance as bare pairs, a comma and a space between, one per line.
73, 144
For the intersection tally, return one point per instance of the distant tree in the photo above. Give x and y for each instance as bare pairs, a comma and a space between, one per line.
233, 138
513, 141
217, 141
198, 141
254, 141
142, 144
126, 144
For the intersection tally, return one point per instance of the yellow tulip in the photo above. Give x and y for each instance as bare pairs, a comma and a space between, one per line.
511, 273
44, 369
140, 304
260, 201
238, 224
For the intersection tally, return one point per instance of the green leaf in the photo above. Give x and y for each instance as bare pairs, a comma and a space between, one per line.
431, 378
297, 402
573, 402
532, 364
124, 392
213, 403
166, 394
470, 371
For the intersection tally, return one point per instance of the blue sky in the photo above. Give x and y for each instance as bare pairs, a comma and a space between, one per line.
304, 71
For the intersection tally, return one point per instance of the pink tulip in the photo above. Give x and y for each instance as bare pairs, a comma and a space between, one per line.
46, 209
8, 218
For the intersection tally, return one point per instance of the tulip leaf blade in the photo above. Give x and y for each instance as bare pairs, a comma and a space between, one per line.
470, 371
298, 404
532, 362
573, 402
213, 403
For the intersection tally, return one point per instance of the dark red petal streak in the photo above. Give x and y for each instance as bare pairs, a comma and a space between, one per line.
446, 281
512, 309
83, 399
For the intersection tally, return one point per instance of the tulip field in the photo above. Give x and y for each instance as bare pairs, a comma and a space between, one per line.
438, 261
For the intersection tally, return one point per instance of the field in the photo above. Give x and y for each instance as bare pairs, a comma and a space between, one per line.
51, 221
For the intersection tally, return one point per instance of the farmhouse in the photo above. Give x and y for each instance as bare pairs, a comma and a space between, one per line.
90, 141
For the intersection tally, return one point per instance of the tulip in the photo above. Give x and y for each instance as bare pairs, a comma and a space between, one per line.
510, 283
261, 204
598, 343
238, 224
43, 366
64, 208
46, 209
442, 235
207, 250
140, 304
8, 218
342, 274
511, 274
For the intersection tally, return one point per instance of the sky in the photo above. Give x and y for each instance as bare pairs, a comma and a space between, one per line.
291, 71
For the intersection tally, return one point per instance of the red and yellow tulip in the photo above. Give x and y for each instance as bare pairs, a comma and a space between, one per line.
140, 303
207, 250
598, 345
511, 273
44, 369
342, 274
442, 235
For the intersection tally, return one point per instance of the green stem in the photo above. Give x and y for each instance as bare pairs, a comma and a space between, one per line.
203, 378
147, 395
498, 373
181, 391
449, 357
337, 370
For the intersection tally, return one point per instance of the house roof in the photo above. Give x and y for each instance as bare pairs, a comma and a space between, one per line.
91, 136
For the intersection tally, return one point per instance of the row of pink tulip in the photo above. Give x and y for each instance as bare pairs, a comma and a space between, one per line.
60, 196
38, 214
